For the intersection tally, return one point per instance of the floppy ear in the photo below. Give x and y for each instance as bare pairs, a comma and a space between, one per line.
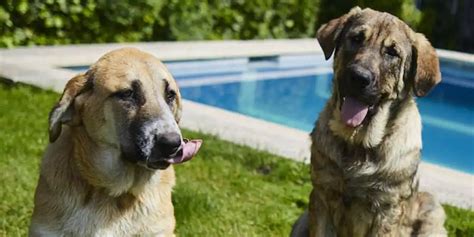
328, 33
63, 111
425, 67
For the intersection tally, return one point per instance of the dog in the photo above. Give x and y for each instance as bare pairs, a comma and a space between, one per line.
114, 136
366, 144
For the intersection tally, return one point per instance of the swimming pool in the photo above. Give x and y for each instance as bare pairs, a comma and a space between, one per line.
292, 89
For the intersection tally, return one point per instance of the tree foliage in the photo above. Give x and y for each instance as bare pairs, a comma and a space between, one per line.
45, 22
33, 22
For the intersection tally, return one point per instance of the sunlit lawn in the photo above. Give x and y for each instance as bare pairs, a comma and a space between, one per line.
227, 190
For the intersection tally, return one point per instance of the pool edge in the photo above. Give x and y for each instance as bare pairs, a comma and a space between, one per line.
448, 185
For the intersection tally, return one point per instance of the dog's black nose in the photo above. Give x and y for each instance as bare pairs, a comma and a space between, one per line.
361, 77
168, 143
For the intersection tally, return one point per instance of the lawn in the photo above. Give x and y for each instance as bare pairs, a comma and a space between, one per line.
227, 190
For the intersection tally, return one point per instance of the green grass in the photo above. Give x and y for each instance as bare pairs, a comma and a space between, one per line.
227, 190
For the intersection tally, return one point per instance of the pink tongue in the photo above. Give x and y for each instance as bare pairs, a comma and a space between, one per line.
190, 148
353, 112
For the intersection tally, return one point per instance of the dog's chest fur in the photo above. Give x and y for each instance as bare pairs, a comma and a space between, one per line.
66, 204
95, 213
365, 188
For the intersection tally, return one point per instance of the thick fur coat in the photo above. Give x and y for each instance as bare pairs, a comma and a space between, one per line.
364, 172
106, 171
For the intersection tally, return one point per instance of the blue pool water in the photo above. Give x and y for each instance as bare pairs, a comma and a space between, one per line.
292, 90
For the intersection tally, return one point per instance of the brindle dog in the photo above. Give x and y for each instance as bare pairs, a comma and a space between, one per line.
367, 141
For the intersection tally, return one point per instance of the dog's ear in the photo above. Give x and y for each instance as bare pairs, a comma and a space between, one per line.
63, 112
328, 33
425, 66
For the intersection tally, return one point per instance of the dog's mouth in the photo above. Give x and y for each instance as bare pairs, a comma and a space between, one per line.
186, 152
354, 112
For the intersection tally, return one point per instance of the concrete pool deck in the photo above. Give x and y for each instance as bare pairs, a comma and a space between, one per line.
42, 67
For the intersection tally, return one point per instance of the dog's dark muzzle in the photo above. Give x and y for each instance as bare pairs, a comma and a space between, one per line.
360, 82
361, 78
165, 146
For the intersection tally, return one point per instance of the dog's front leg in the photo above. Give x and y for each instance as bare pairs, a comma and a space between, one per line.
320, 223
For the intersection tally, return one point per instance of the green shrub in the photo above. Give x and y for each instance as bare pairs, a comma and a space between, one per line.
27, 22
404, 9
45, 22
30, 22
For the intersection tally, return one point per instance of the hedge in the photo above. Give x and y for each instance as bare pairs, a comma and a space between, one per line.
46, 22
29, 22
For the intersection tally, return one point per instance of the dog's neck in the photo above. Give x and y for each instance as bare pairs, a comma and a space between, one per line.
368, 151
100, 165
372, 133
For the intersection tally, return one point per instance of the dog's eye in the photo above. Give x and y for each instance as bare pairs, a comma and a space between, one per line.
124, 94
392, 51
358, 38
170, 96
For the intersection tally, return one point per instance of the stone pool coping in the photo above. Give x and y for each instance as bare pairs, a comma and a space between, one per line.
41, 66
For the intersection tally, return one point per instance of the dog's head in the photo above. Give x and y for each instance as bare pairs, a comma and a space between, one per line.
130, 102
377, 58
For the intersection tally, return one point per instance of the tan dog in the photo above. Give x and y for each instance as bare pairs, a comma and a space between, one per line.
367, 140
114, 134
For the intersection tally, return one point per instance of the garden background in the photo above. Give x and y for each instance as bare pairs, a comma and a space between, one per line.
447, 23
